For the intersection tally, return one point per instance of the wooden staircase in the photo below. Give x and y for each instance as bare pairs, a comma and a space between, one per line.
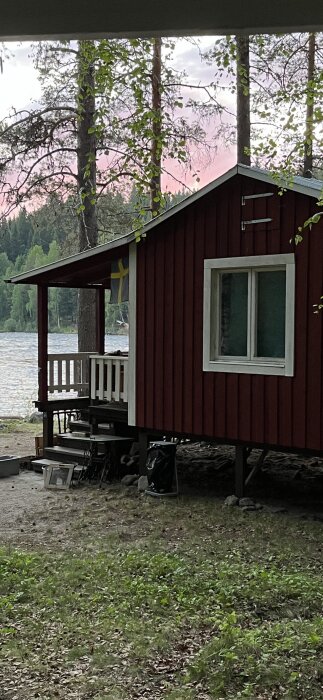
73, 446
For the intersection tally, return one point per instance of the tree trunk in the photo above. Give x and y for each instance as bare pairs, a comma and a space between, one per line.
243, 100
156, 147
308, 145
86, 171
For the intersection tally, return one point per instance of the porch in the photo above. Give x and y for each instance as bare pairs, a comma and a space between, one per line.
80, 383
88, 392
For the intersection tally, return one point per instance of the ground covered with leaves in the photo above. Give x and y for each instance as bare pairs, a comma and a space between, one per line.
111, 595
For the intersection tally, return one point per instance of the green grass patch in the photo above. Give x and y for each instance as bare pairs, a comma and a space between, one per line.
19, 425
232, 611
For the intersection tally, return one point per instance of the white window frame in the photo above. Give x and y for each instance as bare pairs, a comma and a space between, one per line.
257, 365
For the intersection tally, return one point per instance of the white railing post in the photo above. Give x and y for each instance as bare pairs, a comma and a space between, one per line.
125, 382
101, 378
117, 366
68, 375
93, 378
59, 374
108, 395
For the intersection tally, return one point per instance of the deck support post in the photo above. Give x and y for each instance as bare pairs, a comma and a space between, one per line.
257, 467
48, 428
240, 470
100, 320
143, 447
42, 318
42, 314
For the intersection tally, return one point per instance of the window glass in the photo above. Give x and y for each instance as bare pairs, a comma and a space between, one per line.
234, 314
271, 309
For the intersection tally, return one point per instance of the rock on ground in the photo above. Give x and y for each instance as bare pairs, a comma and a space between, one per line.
129, 479
142, 484
231, 501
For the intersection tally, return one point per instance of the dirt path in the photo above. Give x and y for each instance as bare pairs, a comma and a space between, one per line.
20, 442
20, 496
29, 515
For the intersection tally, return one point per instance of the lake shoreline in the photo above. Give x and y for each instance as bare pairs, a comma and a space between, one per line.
63, 332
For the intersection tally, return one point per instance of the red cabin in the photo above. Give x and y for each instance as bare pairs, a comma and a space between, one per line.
224, 342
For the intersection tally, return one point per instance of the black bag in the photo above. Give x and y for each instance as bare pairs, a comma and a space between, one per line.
161, 467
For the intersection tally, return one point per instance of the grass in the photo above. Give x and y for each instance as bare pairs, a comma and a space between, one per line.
183, 600
18, 425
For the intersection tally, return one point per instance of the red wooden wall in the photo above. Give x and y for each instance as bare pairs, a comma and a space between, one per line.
173, 392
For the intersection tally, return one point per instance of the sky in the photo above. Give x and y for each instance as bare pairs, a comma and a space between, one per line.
187, 59
19, 87
18, 81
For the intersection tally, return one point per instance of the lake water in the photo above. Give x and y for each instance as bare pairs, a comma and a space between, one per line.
19, 366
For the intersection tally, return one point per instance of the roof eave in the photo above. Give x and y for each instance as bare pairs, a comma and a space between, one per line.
263, 176
77, 257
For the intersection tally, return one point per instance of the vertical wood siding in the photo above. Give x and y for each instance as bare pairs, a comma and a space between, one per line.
173, 393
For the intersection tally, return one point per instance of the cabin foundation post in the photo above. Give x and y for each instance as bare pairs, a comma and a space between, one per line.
42, 312
240, 470
257, 466
48, 428
143, 448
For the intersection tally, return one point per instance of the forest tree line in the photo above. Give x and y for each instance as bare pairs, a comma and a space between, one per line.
41, 237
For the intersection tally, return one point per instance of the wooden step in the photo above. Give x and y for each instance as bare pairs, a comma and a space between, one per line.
64, 454
79, 426
77, 440
109, 413
83, 426
106, 428
38, 464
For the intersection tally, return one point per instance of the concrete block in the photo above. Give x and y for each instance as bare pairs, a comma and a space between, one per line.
9, 465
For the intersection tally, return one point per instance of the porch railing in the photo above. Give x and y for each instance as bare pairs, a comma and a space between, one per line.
68, 372
109, 377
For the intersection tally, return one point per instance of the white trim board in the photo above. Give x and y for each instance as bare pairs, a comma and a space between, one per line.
250, 261
132, 334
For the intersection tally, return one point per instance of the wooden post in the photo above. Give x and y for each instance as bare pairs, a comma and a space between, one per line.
100, 320
48, 428
257, 466
240, 470
42, 316
143, 446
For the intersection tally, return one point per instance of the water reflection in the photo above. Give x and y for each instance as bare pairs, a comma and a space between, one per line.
19, 368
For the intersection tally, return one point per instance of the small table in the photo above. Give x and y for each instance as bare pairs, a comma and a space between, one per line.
98, 465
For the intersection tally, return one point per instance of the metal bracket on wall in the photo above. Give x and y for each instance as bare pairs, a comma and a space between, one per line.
245, 197
253, 221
